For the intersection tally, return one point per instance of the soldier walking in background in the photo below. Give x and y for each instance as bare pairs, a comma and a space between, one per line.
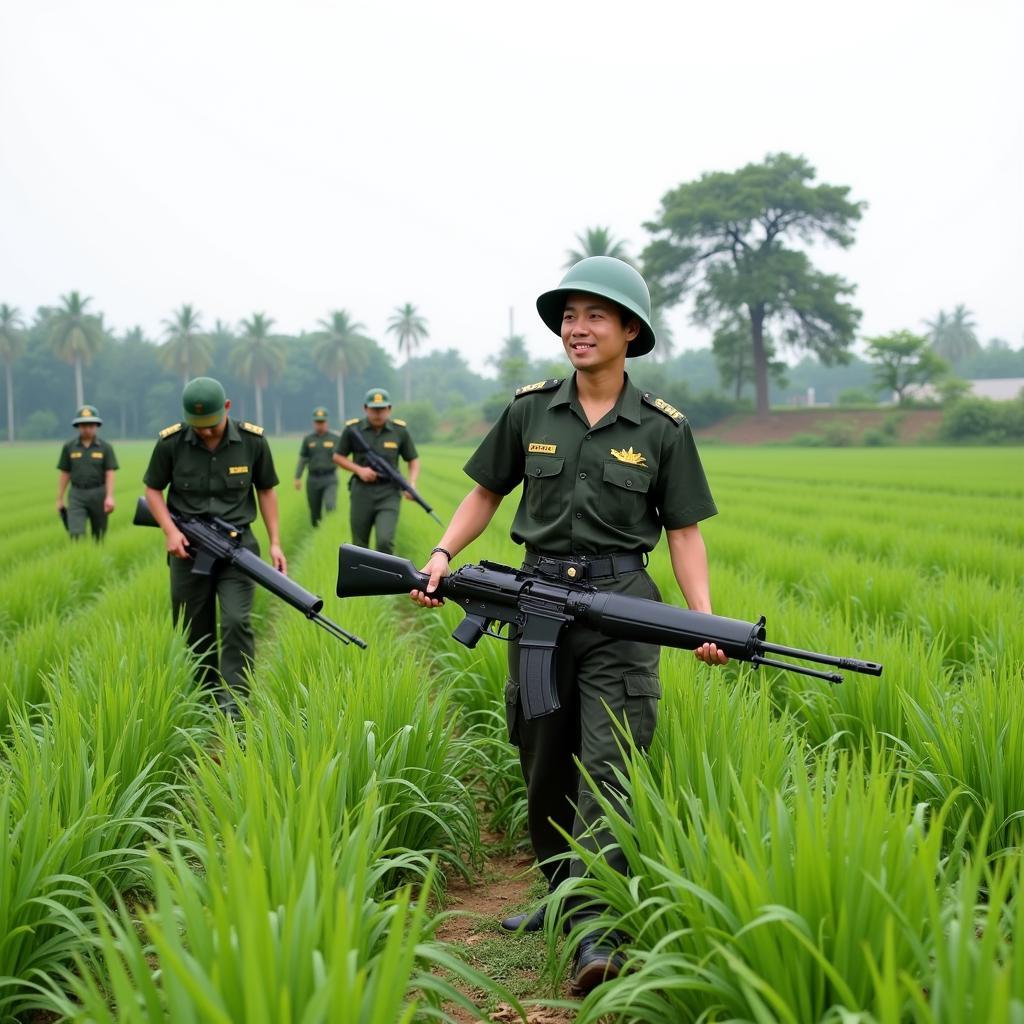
88, 463
316, 453
375, 502
214, 466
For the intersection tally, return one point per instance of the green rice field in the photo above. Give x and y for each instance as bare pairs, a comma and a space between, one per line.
799, 853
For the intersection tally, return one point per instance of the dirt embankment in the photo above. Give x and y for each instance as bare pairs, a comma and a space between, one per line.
781, 426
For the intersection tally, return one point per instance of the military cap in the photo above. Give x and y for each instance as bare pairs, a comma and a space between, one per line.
203, 402
320, 414
377, 398
87, 414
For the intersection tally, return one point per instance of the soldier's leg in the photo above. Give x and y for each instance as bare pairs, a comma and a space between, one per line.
361, 514
78, 513
331, 493
97, 517
237, 641
313, 497
193, 597
386, 521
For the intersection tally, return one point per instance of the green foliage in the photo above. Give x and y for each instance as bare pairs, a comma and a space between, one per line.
512, 363
41, 425
491, 408
903, 359
856, 396
596, 241
735, 360
951, 335
984, 421
186, 350
423, 419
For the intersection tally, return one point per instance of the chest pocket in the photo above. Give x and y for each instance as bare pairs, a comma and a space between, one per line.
238, 478
624, 490
186, 481
545, 487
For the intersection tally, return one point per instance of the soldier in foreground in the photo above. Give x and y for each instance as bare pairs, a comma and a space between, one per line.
375, 502
88, 464
316, 453
604, 466
213, 465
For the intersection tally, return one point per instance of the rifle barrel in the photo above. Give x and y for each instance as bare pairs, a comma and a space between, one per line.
867, 668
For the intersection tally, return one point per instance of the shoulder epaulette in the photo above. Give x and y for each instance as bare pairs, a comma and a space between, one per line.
400, 423
541, 385
252, 428
171, 430
348, 423
662, 406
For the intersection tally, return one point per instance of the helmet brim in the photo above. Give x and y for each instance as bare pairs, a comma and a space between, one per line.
80, 421
551, 307
206, 420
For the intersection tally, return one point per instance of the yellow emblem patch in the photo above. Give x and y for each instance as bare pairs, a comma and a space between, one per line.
390, 444
348, 423
97, 455
328, 444
399, 423
76, 455
252, 428
235, 470
87, 411
542, 449
630, 456
172, 429
312, 444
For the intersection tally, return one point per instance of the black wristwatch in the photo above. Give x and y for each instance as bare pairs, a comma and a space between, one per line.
444, 551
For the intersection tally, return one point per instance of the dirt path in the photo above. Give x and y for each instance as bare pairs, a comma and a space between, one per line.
505, 886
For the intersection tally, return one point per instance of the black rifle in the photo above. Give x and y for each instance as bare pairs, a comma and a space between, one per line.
63, 513
212, 540
536, 609
384, 469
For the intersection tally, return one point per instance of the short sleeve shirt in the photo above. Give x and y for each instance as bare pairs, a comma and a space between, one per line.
593, 490
317, 453
87, 465
391, 441
221, 482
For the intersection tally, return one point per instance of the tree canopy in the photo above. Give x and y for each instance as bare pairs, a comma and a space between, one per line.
596, 241
340, 347
952, 334
186, 350
75, 336
903, 359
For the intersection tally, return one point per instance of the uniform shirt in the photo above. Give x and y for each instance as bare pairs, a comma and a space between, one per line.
218, 483
87, 466
593, 490
317, 453
392, 440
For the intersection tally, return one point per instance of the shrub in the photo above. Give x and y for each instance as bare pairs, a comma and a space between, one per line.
857, 396
42, 425
422, 418
984, 420
839, 435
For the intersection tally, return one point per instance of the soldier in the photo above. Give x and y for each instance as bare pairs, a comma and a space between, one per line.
216, 466
604, 466
88, 464
317, 453
375, 502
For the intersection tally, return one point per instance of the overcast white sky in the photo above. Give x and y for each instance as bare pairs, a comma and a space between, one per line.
297, 157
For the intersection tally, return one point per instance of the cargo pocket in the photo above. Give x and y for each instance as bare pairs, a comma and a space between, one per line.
512, 710
623, 499
643, 691
544, 491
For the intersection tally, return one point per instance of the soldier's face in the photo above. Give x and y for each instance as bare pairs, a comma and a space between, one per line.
377, 417
319, 426
593, 334
86, 432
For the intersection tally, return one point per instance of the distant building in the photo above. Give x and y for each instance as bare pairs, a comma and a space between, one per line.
1001, 389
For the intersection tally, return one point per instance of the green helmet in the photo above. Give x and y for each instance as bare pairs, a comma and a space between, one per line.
611, 279
320, 414
377, 398
87, 414
203, 401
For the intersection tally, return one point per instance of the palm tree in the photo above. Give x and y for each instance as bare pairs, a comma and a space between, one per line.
12, 341
411, 329
186, 349
75, 336
258, 356
338, 349
596, 242
952, 335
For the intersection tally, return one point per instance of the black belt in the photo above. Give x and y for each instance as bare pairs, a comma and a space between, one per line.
321, 472
585, 568
89, 487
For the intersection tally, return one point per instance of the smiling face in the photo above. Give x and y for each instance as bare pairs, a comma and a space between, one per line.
594, 334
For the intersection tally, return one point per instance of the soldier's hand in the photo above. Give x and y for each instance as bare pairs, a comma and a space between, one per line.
177, 544
298, 483
711, 655
277, 559
108, 505
407, 495
60, 505
367, 475
437, 568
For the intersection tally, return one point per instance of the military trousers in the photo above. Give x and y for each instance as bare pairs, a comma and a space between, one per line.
195, 598
598, 678
85, 506
322, 495
374, 507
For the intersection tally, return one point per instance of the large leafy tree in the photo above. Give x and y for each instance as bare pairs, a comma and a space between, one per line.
75, 336
903, 359
186, 349
734, 357
12, 342
597, 241
512, 362
258, 356
410, 330
340, 347
730, 238
952, 335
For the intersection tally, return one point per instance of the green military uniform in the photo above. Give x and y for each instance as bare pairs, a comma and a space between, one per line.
589, 493
219, 483
316, 453
375, 506
88, 466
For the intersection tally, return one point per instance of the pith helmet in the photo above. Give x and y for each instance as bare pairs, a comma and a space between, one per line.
377, 398
319, 414
609, 278
203, 402
87, 414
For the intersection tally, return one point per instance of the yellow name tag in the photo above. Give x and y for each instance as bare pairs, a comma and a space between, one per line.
390, 444
76, 455
312, 444
97, 455
328, 444
542, 449
235, 470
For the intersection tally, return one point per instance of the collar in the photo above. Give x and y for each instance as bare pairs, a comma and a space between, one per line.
231, 436
365, 425
627, 405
